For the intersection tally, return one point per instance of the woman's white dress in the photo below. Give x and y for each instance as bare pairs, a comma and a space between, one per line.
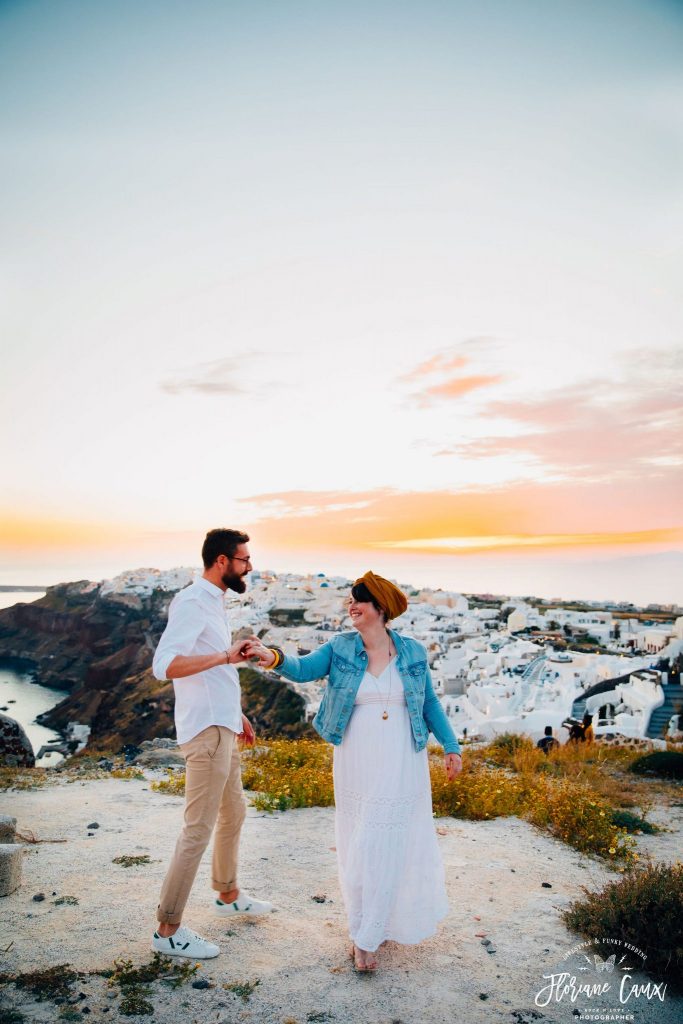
390, 867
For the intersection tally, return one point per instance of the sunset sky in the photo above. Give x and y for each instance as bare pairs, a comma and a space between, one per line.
391, 284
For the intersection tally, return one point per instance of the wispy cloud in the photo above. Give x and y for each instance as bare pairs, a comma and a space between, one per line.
437, 379
441, 363
456, 387
593, 428
219, 377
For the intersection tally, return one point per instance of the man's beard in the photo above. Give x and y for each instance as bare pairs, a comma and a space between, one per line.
232, 582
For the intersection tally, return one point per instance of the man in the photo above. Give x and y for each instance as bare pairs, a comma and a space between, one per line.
547, 741
197, 653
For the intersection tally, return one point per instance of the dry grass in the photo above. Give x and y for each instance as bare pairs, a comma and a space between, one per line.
565, 794
290, 773
172, 785
574, 793
22, 778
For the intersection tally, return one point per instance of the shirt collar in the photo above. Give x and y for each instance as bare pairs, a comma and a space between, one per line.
210, 587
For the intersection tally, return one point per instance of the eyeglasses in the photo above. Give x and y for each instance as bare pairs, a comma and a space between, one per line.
239, 558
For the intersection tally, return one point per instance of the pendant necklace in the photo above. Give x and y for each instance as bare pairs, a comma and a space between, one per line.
385, 713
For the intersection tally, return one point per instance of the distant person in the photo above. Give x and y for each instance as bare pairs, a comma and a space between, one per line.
581, 732
547, 742
575, 730
197, 653
588, 733
674, 731
377, 710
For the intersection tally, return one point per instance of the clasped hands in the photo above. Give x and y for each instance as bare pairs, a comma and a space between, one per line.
252, 649
247, 649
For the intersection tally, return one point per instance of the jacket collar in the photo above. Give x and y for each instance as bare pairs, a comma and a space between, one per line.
398, 640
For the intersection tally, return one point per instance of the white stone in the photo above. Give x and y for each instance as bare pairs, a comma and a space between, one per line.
10, 868
8, 828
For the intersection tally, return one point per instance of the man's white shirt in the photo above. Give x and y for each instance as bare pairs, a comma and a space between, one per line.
198, 624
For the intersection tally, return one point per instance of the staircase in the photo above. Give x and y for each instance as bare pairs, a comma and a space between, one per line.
579, 708
535, 664
673, 705
605, 686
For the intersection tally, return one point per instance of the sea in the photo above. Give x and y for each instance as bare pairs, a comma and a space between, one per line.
21, 695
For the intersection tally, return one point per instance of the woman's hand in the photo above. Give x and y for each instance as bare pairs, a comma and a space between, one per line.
247, 736
253, 648
453, 765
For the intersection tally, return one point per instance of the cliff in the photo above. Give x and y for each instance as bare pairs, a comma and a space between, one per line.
100, 647
75, 635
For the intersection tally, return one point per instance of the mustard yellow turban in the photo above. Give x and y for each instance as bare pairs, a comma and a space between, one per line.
391, 600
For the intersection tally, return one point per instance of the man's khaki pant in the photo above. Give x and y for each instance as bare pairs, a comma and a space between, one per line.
213, 796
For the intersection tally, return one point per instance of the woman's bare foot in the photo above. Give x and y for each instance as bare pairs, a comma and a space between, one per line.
370, 960
363, 960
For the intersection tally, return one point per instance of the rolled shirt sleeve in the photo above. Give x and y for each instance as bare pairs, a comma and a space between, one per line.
186, 620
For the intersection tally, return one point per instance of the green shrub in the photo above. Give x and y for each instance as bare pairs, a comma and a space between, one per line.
644, 908
46, 984
164, 968
667, 764
633, 823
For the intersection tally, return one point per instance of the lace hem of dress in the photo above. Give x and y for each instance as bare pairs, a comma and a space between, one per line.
379, 813
370, 935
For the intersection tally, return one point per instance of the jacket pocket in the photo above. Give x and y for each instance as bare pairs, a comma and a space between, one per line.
418, 675
341, 671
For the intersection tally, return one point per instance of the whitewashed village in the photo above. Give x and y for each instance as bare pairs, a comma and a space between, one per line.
498, 664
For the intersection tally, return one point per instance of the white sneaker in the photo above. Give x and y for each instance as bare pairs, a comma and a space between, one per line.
185, 942
244, 904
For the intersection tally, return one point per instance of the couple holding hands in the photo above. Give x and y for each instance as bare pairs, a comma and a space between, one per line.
378, 710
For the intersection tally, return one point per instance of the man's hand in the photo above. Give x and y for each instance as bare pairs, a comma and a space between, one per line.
453, 765
236, 652
248, 736
253, 648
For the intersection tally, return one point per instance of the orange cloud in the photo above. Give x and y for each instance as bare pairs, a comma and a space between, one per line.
524, 515
442, 365
466, 545
457, 387
437, 364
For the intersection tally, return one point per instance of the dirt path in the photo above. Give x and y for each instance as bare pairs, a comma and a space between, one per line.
495, 873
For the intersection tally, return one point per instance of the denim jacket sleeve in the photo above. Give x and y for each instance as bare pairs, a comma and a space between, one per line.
437, 722
311, 666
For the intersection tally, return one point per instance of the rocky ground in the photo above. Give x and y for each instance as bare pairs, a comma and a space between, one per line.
507, 884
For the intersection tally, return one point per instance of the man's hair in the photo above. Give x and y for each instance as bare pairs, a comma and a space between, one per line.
221, 542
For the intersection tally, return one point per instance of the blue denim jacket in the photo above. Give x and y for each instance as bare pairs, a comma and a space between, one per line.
344, 660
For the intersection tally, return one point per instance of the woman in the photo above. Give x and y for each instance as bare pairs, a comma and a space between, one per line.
378, 709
